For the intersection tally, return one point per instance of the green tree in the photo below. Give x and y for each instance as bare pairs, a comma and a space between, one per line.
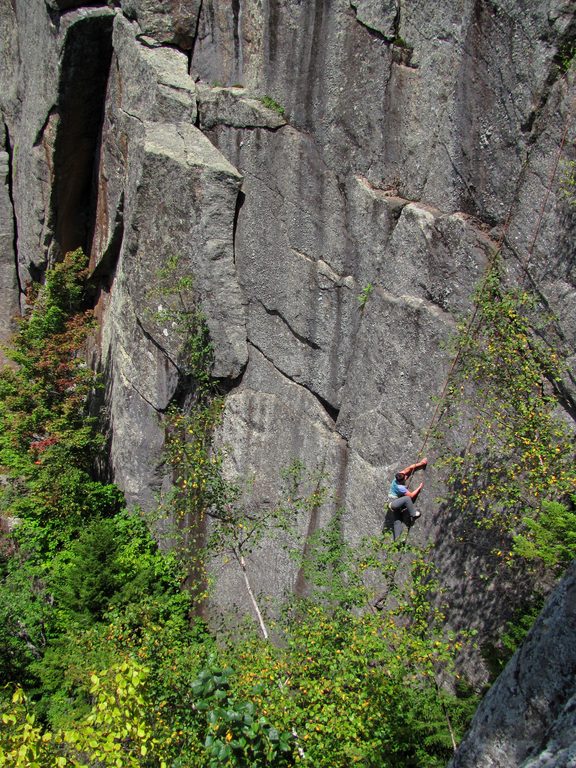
48, 441
549, 537
354, 685
116, 732
47, 450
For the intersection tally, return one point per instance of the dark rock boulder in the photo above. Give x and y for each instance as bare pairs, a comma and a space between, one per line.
528, 718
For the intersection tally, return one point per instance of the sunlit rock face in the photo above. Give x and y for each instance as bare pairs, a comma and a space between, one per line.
330, 180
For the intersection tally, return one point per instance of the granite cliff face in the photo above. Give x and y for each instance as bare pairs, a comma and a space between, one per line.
399, 143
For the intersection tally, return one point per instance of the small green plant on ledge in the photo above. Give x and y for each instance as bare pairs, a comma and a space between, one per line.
566, 56
365, 294
272, 104
399, 42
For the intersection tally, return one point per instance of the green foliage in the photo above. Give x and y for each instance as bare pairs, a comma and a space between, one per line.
365, 294
25, 617
242, 526
74, 560
348, 684
356, 686
401, 43
511, 452
47, 449
234, 733
48, 442
116, 732
568, 181
57, 611
179, 313
565, 56
196, 466
52, 380
270, 103
114, 562
343, 686
23, 743
550, 537
198, 486
499, 653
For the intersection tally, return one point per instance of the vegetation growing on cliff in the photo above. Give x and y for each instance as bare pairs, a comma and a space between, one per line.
507, 444
513, 468
102, 661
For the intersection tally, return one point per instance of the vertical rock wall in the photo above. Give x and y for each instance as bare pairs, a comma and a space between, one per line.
397, 145
413, 139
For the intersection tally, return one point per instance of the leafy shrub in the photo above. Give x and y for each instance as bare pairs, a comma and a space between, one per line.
272, 104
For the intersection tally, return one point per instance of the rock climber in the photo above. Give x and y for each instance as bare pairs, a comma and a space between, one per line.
401, 501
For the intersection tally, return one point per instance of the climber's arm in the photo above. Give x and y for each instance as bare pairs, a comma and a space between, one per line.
414, 494
414, 467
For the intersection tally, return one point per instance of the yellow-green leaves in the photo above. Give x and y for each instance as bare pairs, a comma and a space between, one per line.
116, 732
504, 444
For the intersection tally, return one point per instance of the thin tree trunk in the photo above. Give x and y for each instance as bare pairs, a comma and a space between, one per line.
447, 716
242, 563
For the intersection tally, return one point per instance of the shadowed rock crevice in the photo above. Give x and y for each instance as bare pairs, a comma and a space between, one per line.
105, 269
82, 90
195, 37
51, 115
566, 50
239, 203
299, 337
10, 188
236, 36
331, 411
10, 286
